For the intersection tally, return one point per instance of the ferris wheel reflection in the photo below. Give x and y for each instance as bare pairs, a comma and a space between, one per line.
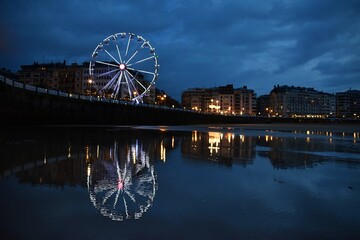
122, 182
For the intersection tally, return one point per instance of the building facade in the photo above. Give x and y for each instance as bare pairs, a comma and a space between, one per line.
221, 100
245, 101
40, 75
290, 101
76, 79
348, 104
263, 105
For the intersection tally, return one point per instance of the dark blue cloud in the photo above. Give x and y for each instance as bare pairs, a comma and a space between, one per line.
199, 43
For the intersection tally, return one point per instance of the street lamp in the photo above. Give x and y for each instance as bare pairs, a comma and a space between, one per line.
90, 81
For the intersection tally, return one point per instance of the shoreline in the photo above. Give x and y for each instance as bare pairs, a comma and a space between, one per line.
322, 127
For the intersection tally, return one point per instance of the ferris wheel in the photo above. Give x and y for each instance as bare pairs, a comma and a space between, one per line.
124, 66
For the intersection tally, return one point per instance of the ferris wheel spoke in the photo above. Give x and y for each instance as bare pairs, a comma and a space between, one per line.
117, 86
118, 171
132, 83
118, 50
128, 44
132, 56
142, 71
111, 56
135, 90
108, 85
108, 195
116, 198
108, 64
145, 59
106, 73
128, 86
131, 196
126, 208
136, 80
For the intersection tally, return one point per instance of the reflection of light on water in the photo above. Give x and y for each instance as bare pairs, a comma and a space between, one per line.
124, 186
194, 136
329, 134
308, 139
356, 135
97, 151
162, 151
88, 172
229, 137
87, 153
172, 142
214, 141
69, 151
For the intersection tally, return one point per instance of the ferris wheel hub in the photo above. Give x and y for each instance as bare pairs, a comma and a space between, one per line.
122, 66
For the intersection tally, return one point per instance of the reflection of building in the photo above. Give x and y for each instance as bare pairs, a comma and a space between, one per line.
348, 104
290, 101
67, 171
284, 152
222, 100
120, 169
226, 148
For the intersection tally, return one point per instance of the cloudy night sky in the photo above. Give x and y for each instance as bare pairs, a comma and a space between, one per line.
254, 43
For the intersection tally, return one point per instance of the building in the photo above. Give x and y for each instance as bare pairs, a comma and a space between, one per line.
9, 74
245, 101
290, 101
40, 75
263, 105
225, 100
76, 79
193, 99
348, 104
67, 78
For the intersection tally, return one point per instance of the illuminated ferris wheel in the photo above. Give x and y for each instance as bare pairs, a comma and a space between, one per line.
123, 187
124, 66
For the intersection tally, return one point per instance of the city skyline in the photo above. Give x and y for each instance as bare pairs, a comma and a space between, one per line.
247, 43
266, 92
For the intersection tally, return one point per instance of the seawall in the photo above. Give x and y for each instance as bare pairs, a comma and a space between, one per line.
26, 105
